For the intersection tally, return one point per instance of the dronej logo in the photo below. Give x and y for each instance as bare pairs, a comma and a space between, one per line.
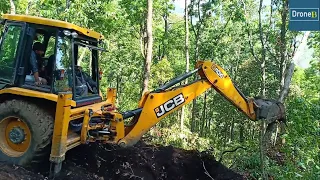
304, 14
169, 105
314, 14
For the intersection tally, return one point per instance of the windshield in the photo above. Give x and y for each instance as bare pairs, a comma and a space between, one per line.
83, 70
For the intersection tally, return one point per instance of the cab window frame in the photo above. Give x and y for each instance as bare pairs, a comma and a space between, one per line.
18, 51
35, 28
92, 43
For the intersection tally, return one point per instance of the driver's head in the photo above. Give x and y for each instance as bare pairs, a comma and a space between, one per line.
38, 48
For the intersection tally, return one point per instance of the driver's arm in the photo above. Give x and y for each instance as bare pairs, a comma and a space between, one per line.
34, 66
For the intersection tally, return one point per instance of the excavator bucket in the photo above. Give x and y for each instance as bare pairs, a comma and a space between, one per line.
270, 110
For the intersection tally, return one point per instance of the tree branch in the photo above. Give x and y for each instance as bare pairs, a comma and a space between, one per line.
224, 27
206, 172
229, 151
261, 32
269, 50
249, 33
287, 80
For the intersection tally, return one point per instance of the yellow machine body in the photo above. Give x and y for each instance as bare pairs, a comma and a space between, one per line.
52, 22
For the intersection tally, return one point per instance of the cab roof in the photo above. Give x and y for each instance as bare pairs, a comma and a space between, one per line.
54, 23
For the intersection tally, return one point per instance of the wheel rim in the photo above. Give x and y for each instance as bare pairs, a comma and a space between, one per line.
15, 136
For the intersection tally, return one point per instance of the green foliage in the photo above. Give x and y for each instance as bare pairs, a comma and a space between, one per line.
174, 136
161, 72
307, 82
302, 138
314, 42
8, 51
300, 155
4, 7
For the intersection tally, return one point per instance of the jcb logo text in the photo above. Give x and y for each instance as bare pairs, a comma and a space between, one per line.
169, 105
219, 73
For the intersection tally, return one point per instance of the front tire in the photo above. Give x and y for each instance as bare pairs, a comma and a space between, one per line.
25, 133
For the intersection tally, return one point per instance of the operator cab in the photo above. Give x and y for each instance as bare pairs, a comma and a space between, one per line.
69, 62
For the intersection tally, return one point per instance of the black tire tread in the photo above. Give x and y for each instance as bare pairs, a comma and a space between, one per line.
43, 123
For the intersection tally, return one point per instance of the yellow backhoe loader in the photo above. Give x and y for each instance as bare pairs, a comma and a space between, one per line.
49, 109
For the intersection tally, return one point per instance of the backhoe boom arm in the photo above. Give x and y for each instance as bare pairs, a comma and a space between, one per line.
161, 102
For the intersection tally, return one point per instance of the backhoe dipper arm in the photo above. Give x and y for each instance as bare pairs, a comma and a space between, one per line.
161, 102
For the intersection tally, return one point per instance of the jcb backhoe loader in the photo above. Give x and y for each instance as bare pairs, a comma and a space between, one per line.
66, 110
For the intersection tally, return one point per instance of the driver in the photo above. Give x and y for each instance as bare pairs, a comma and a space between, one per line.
36, 63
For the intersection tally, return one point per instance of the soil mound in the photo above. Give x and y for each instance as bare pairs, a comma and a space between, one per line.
104, 162
12, 172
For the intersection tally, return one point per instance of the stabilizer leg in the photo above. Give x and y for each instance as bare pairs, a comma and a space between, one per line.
60, 134
55, 169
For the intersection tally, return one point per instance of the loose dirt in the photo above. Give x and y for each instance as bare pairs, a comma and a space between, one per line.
104, 162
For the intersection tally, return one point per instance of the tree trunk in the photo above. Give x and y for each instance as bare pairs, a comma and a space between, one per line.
263, 88
289, 72
225, 135
28, 6
204, 114
142, 42
262, 148
193, 122
187, 55
241, 136
209, 127
196, 32
263, 53
187, 37
253, 132
231, 131
194, 102
287, 79
68, 3
166, 29
270, 130
283, 43
286, 83
118, 88
12, 7
147, 64
193, 116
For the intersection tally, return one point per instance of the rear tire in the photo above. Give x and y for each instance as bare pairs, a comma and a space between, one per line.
18, 117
